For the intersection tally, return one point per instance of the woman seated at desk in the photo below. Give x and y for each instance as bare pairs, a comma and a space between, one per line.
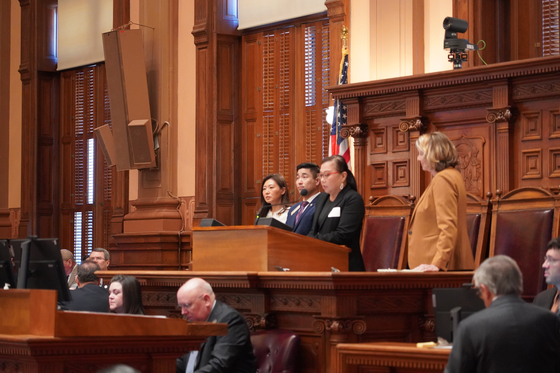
339, 211
438, 237
125, 295
274, 198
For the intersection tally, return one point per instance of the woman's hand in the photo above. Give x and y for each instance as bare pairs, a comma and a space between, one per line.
426, 268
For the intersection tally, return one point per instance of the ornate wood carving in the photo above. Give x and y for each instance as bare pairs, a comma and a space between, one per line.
295, 303
500, 115
358, 131
384, 109
339, 326
533, 91
471, 163
257, 322
413, 124
457, 100
391, 302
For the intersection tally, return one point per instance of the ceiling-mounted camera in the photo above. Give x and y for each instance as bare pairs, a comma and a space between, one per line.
457, 47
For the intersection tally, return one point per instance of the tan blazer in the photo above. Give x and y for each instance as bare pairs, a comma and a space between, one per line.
438, 227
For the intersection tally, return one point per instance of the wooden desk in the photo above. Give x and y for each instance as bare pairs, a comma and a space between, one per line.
398, 357
35, 338
324, 308
262, 248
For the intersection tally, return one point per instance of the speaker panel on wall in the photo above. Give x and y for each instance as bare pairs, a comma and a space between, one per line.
107, 143
128, 96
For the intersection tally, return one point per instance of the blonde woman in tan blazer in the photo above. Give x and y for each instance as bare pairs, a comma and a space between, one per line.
438, 238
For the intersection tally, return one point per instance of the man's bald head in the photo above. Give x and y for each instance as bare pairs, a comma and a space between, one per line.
196, 299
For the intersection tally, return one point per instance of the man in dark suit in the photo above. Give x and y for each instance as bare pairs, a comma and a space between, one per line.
89, 296
509, 335
549, 298
229, 353
300, 215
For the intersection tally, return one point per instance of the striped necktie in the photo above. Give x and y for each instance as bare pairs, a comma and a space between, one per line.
300, 212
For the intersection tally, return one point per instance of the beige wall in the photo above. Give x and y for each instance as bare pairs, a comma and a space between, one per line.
381, 38
435, 57
14, 188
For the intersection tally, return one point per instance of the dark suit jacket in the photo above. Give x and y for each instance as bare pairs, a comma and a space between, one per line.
229, 353
509, 336
89, 297
545, 298
303, 226
344, 229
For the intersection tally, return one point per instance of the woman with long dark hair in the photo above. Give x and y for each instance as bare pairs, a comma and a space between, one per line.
274, 198
339, 211
125, 295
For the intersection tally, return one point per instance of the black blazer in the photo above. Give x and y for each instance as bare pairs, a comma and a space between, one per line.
344, 229
545, 298
232, 352
508, 336
90, 297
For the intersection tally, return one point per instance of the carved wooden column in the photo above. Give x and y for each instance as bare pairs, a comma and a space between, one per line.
217, 111
338, 12
416, 125
151, 234
359, 132
337, 330
502, 117
39, 187
121, 16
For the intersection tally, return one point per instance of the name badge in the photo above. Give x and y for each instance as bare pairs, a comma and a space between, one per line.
294, 210
335, 212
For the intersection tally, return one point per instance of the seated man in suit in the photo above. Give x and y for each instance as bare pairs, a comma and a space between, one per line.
101, 257
509, 335
549, 298
89, 296
300, 215
228, 353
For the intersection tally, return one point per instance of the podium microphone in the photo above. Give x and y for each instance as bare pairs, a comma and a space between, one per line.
302, 193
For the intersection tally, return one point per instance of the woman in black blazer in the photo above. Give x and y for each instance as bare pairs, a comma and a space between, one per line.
339, 211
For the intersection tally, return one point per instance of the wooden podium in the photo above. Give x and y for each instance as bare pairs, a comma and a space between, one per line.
36, 338
262, 248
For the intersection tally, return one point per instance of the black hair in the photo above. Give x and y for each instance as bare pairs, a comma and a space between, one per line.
554, 244
132, 294
315, 170
285, 201
86, 272
341, 166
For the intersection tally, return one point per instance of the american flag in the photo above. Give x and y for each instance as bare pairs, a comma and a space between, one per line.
337, 144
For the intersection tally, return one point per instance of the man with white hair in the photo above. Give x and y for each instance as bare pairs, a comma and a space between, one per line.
232, 352
509, 335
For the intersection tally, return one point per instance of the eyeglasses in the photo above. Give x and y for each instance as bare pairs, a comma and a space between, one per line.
550, 260
189, 305
327, 174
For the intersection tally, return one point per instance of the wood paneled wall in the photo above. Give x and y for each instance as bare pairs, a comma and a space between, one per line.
503, 118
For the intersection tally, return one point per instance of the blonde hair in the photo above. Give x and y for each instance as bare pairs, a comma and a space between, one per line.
439, 151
